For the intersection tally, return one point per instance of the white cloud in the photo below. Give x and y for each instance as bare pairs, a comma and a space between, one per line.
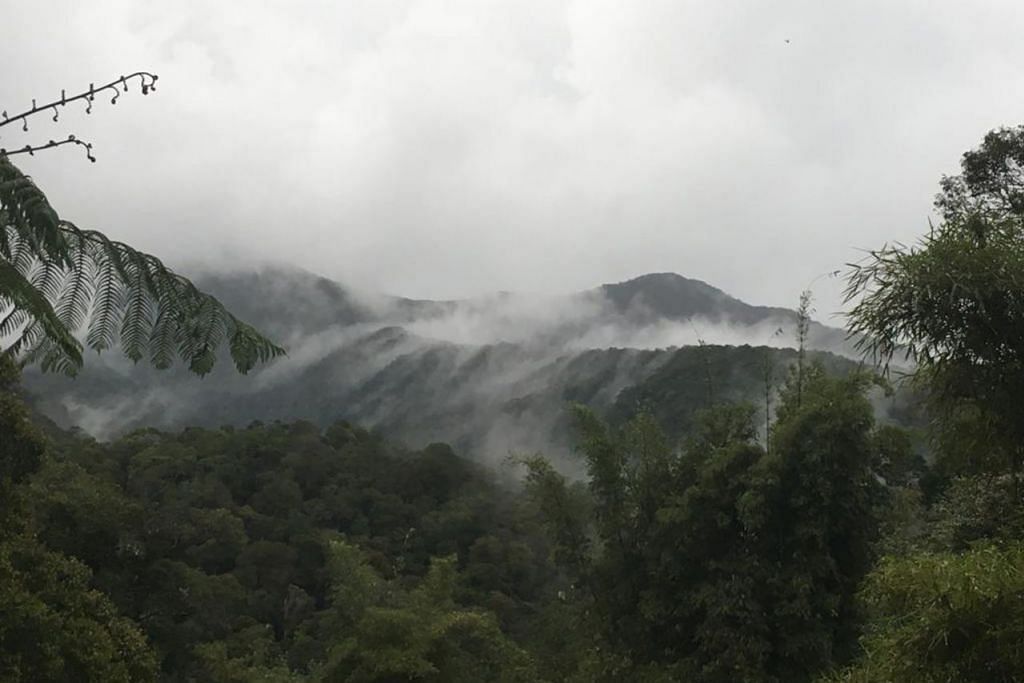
446, 148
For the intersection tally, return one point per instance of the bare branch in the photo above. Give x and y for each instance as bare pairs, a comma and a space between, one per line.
32, 149
147, 82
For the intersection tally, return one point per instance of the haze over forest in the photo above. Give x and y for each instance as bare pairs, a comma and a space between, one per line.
490, 375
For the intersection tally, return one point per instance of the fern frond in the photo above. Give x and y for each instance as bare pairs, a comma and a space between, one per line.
137, 322
6, 235
74, 298
50, 356
48, 278
59, 279
208, 333
26, 340
108, 302
248, 347
162, 340
24, 257
23, 296
30, 213
12, 321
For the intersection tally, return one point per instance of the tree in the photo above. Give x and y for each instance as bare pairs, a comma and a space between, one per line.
55, 626
811, 507
945, 617
384, 633
954, 304
991, 181
803, 326
719, 561
57, 280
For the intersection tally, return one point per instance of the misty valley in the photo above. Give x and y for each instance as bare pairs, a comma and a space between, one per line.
311, 378
488, 376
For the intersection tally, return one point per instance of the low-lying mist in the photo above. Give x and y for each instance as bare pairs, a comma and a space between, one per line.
489, 375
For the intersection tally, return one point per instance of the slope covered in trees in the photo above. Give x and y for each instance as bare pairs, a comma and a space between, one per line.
483, 400
485, 376
287, 552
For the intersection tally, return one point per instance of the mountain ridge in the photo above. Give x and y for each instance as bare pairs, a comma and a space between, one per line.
488, 374
640, 301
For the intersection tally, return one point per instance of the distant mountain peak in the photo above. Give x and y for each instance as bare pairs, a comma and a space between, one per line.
673, 296
666, 277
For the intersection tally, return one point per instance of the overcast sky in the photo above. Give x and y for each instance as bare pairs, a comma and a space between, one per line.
444, 148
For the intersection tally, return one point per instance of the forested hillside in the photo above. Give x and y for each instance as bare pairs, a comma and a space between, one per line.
485, 401
487, 376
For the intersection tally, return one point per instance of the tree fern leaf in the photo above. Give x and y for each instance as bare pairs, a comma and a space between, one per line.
7, 234
162, 340
31, 213
24, 340
209, 330
50, 357
108, 302
74, 299
48, 277
24, 296
12, 322
24, 257
248, 347
137, 323
58, 278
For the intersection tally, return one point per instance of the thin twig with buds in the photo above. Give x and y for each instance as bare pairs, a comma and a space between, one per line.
147, 81
32, 149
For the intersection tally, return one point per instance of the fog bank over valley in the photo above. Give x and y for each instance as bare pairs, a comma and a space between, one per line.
490, 375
